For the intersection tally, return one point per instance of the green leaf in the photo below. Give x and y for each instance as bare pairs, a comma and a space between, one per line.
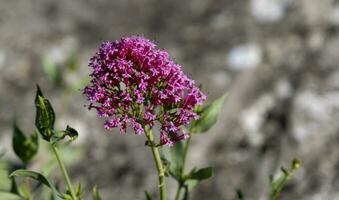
70, 132
79, 192
208, 116
279, 183
201, 174
45, 116
9, 196
25, 191
175, 156
240, 195
148, 196
52, 70
72, 62
5, 182
38, 177
25, 148
95, 193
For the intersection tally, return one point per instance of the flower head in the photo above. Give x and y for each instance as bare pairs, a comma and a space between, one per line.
135, 83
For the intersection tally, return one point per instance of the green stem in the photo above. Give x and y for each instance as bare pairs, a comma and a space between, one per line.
158, 163
177, 195
185, 153
64, 172
182, 172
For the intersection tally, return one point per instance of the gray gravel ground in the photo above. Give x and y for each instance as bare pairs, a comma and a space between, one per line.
278, 60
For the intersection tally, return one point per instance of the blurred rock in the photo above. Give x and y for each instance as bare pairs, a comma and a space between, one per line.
244, 56
267, 10
280, 70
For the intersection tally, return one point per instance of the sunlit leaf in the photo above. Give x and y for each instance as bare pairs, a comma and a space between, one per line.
5, 182
79, 192
25, 148
9, 196
38, 177
95, 193
45, 116
208, 116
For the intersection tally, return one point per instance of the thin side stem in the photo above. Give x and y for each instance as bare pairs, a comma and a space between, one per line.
158, 163
177, 195
182, 172
185, 153
64, 172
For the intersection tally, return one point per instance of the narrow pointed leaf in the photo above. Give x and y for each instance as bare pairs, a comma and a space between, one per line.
25, 148
38, 177
95, 193
201, 174
208, 116
9, 196
45, 116
279, 183
148, 196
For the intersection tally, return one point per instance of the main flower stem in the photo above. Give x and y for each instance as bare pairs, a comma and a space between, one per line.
182, 172
158, 163
64, 172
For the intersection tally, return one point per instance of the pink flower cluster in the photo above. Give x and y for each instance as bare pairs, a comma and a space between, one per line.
135, 83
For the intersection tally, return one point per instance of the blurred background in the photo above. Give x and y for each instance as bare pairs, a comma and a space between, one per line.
277, 59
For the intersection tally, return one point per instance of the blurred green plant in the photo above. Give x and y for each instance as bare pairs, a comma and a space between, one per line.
277, 184
56, 73
175, 157
26, 149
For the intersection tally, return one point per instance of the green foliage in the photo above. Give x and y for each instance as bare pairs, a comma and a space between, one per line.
70, 132
25, 148
95, 193
277, 184
79, 193
45, 116
9, 196
52, 70
5, 182
72, 62
208, 116
200, 174
148, 196
38, 177
175, 159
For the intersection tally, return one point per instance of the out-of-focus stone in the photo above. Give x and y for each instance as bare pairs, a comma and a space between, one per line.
267, 10
244, 56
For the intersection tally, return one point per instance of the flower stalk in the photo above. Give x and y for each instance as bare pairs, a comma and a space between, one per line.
64, 172
182, 172
158, 163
